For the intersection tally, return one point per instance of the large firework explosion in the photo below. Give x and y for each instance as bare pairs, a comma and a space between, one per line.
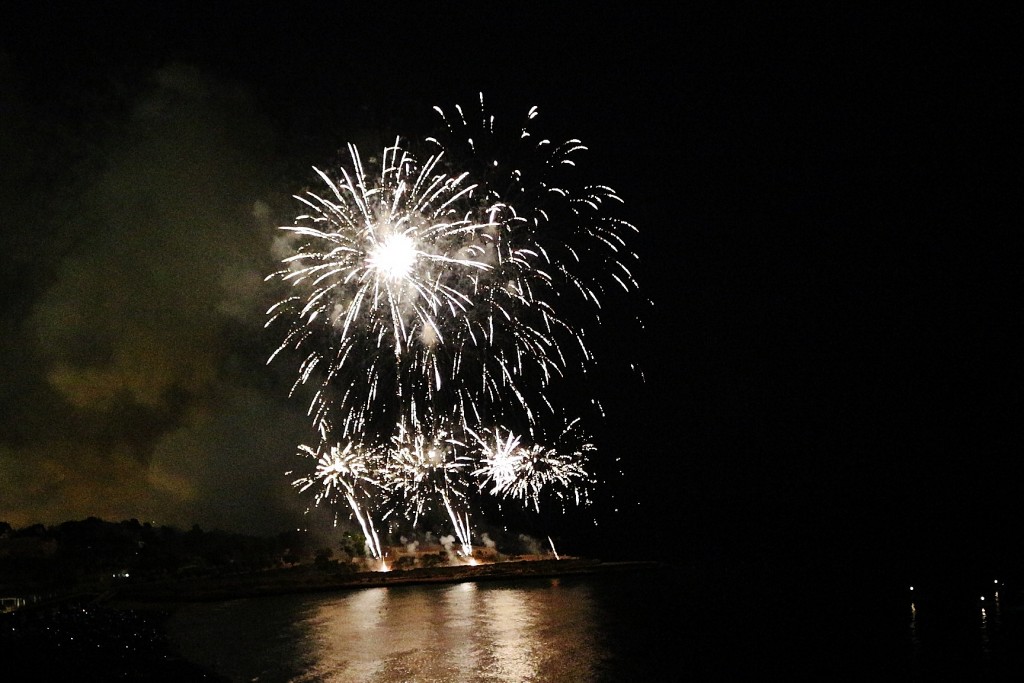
435, 298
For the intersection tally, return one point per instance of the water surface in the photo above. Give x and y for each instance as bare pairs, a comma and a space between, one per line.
650, 625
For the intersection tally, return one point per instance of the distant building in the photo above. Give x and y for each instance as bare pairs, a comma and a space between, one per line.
11, 604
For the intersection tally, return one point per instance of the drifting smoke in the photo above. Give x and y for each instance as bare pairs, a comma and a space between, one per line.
132, 345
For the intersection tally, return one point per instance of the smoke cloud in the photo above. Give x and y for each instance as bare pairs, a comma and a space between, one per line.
133, 348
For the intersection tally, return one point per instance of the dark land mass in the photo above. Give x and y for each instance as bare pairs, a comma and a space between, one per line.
80, 638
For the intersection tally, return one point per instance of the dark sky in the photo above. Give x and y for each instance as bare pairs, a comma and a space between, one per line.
824, 204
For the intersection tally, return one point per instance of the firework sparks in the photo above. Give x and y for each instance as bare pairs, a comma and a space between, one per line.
574, 241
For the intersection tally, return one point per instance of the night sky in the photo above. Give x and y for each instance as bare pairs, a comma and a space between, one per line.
825, 199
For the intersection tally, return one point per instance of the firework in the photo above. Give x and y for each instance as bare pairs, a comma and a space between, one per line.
424, 470
511, 470
440, 290
387, 260
348, 473
419, 291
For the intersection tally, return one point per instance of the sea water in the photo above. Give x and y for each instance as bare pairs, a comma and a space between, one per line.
648, 625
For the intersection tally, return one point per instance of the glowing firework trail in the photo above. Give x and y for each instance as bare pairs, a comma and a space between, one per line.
421, 469
346, 472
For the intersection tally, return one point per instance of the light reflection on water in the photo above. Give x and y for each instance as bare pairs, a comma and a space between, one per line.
539, 631
604, 629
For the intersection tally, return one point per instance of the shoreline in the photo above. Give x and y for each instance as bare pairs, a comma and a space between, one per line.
311, 579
